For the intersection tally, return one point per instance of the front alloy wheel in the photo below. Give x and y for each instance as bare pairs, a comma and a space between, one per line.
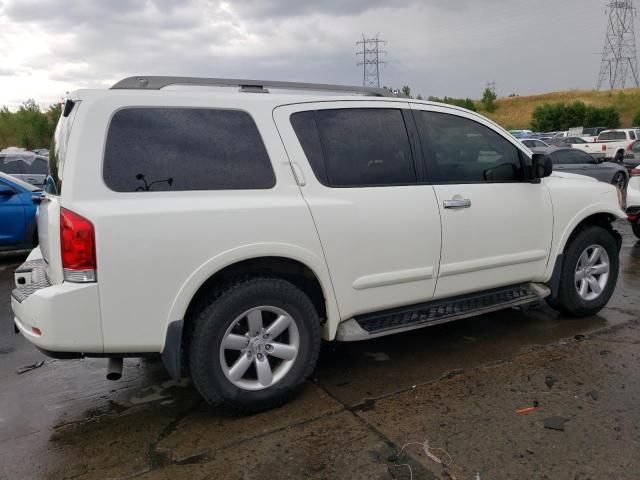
589, 272
592, 272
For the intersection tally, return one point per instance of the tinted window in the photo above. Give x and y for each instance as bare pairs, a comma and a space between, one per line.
632, 135
570, 157
467, 151
612, 136
356, 146
58, 149
172, 149
636, 147
304, 124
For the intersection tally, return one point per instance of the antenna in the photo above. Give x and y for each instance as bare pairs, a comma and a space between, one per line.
619, 64
370, 51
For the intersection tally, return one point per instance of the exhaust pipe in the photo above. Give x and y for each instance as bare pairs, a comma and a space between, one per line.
114, 368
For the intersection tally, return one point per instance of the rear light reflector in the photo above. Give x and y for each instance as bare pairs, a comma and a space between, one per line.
36, 331
77, 244
604, 148
635, 172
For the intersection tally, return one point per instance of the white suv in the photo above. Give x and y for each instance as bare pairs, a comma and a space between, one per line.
231, 229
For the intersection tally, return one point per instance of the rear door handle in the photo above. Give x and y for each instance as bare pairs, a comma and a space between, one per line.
463, 203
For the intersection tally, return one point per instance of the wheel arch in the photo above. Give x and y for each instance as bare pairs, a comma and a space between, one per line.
600, 218
594, 215
300, 266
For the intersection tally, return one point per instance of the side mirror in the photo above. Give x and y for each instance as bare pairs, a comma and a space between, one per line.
541, 166
6, 191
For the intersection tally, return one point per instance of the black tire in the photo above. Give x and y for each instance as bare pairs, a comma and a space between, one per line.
635, 226
568, 300
211, 324
619, 158
619, 181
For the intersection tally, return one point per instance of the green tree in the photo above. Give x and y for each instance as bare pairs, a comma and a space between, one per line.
560, 116
28, 127
459, 102
406, 91
489, 100
636, 119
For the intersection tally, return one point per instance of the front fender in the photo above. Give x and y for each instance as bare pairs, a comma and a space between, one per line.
315, 263
562, 236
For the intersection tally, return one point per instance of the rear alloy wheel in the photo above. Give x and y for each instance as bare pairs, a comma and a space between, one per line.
619, 181
254, 344
589, 273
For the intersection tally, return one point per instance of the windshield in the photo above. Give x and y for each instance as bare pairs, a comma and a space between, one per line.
58, 150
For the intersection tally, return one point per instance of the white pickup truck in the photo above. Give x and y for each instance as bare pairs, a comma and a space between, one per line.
612, 144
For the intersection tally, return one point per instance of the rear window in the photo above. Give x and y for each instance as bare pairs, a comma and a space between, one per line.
58, 150
605, 136
178, 149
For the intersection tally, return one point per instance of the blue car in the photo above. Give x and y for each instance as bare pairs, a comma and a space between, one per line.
17, 213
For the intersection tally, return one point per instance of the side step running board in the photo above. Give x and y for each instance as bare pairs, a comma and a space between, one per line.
372, 325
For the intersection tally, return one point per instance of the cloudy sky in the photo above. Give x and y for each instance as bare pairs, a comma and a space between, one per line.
438, 47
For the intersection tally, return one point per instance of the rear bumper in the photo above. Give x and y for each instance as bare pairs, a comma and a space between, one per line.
57, 318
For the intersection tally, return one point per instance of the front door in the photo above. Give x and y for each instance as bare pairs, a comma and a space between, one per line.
496, 224
360, 174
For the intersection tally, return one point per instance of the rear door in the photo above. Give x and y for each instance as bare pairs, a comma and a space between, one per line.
496, 224
362, 177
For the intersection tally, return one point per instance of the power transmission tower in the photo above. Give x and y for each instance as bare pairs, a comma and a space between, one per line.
369, 48
492, 86
619, 59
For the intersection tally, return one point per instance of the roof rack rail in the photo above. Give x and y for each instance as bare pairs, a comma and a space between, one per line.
260, 86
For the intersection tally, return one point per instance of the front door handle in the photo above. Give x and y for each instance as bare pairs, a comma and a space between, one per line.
462, 203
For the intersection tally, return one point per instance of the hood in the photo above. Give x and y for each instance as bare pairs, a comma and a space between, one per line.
573, 176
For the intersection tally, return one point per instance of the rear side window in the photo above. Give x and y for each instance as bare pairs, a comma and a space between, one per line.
356, 147
178, 149
466, 151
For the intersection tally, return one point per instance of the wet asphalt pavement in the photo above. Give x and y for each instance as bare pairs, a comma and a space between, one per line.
456, 387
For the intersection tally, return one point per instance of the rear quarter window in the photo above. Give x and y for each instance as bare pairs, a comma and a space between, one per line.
179, 149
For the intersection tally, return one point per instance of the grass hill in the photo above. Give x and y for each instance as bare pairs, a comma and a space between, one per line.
515, 112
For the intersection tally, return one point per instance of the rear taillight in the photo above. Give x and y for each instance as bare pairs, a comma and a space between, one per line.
78, 247
635, 172
604, 148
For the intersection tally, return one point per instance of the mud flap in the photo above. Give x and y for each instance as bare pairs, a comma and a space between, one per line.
172, 352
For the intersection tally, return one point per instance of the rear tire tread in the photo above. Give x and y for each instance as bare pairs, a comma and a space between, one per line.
196, 341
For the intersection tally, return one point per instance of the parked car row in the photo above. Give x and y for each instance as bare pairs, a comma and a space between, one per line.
572, 160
